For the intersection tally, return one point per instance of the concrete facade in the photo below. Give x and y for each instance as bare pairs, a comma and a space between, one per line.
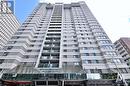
123, 47
61, 39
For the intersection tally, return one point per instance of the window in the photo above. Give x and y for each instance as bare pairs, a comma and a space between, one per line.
96, 61
104, 42
70, 50
10, 47
12, 42
1, 61
64, 63
35, 36
41, 82
86, 54
65, 56
5, 53
123, 70
92, 70
65, 50
89, 61
123, 51
29, 50
75, 56
65, 40
15, 37
26, 57
76, 63
107, 47
94, 54
117, 60
110, 53
99, 70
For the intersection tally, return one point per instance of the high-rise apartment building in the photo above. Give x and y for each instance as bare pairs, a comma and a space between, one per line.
8, 24
61, 42
123, 47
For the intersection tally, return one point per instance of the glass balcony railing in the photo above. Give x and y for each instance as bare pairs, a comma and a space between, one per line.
57, 76
47, 51
47, 45
51, 51
45, 57
54, 57
54, 65
55, 51
49, 58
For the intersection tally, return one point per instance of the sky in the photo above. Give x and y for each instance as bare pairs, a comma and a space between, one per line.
113, 15
23, 8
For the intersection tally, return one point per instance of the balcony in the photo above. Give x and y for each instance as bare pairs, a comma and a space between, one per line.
49, 58
46, 51
54, 57
48, 65
51, 51
47, 45
45, 57
55, 51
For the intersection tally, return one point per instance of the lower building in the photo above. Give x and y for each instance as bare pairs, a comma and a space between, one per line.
123, 47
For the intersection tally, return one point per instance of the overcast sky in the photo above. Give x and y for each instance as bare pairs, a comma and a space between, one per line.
113, 15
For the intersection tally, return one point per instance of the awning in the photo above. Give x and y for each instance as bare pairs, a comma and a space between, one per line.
17, 82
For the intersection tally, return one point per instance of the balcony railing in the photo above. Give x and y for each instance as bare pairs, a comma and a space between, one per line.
48, 75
